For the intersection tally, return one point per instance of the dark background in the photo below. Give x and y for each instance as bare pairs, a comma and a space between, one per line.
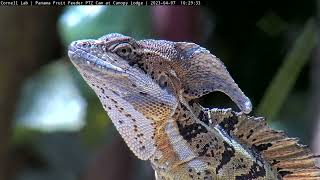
53, 127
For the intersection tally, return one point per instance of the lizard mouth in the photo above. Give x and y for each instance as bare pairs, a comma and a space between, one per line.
84, 60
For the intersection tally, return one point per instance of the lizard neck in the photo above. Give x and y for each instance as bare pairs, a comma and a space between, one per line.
174, 145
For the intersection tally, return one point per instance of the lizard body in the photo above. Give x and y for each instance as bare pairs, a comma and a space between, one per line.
148, 88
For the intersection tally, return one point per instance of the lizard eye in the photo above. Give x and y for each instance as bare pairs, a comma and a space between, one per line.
123, 50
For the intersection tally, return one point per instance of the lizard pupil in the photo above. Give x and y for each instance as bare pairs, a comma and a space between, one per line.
124, 50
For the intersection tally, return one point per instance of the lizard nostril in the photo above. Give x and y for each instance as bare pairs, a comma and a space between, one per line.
83, 44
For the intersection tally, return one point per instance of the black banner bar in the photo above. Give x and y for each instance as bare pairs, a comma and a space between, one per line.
102, 2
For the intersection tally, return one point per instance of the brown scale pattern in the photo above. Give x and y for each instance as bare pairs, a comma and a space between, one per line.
292, 160
217, 155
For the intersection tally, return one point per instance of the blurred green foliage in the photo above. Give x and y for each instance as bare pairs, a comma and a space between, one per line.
272, 24
288, 73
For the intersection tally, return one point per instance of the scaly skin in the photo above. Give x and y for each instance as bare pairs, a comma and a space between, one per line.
148, 89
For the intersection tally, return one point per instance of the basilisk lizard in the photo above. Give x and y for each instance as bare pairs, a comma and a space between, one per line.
149, 90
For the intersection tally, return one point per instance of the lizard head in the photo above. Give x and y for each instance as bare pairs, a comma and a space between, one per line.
109, 64
133, 100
